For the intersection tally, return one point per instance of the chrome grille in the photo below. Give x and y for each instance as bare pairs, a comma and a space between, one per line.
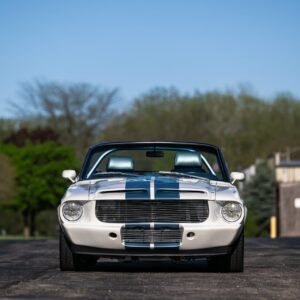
147, 211
162, 235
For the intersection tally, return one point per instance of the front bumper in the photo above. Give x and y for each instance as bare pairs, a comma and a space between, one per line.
91, 235
206, 236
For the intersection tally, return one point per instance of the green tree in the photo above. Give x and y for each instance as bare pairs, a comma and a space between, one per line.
260, 196
7, 179
244, 125
39, 185
6, 126
251, 227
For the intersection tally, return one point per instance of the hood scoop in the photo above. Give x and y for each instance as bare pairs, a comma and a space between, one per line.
133, 190
184, 190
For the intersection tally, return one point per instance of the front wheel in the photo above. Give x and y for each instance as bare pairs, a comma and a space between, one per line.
233, 262
70, 261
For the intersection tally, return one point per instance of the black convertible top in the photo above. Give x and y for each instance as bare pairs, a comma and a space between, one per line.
155, 143
131, 144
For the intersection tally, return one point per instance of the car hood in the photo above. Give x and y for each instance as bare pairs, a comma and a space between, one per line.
154, 187
151, 187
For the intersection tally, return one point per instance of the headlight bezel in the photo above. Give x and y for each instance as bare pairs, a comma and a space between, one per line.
73, 205
234, 206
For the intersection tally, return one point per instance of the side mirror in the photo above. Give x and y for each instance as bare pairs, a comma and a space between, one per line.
69, 174
237, 176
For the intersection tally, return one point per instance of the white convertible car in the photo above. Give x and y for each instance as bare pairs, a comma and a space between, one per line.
141, 200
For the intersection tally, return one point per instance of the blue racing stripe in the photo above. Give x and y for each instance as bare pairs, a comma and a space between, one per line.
175, 244
137, 189
166, 245
166, 188
166, 226
130, 245
137, 226
135, 245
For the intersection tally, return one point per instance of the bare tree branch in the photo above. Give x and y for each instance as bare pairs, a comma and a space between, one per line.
79, 111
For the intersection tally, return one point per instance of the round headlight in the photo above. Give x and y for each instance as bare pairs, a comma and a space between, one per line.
72, 211
232, 211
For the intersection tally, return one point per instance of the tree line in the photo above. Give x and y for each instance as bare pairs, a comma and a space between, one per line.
55, 124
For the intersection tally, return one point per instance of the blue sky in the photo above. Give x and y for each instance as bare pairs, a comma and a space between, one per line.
137, 45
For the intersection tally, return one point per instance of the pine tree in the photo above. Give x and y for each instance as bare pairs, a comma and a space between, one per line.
260, 196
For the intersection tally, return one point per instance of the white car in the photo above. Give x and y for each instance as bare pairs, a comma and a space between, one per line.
138, 200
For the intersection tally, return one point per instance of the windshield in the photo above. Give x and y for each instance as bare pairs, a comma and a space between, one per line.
162, 160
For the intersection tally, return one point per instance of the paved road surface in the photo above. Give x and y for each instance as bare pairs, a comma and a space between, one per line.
29, 269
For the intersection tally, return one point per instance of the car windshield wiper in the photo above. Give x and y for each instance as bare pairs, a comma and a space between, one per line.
115, 173
183, 174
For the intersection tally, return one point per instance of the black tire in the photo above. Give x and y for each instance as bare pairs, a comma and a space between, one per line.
233, 262
70, 261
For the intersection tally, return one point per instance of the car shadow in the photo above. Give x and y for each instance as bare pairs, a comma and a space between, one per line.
152, 266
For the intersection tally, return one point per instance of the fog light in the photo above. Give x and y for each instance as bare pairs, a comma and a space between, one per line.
232, 211
72, 211
113, 235
190, 235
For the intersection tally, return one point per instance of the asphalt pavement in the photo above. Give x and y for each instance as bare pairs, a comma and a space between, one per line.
29, 269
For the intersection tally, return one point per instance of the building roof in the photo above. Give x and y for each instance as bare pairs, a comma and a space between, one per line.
289, 164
